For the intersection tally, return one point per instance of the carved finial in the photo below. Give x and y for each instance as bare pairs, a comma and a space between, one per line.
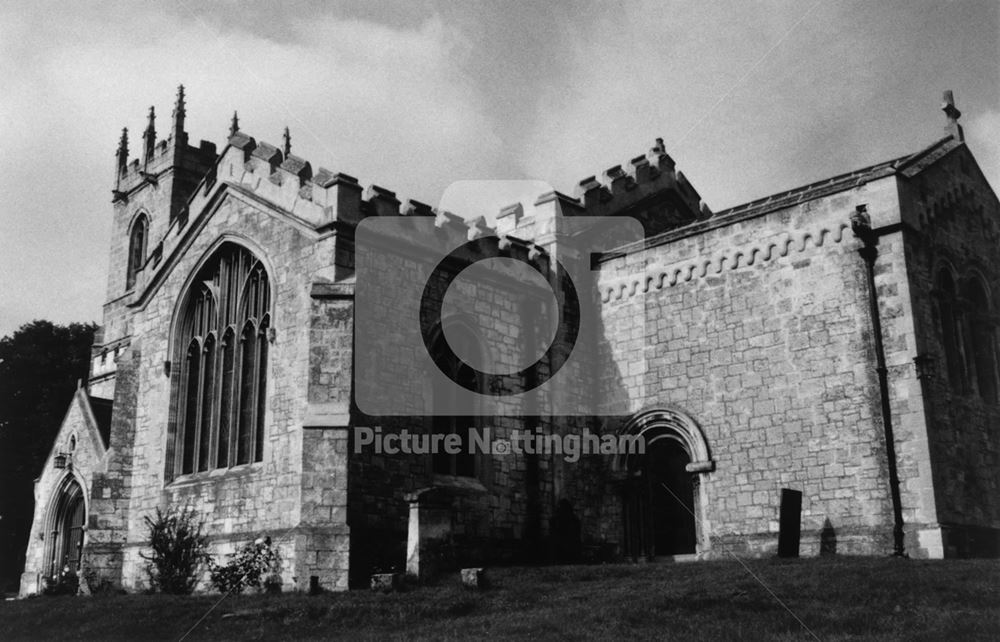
122, 153
234, 126
949, 109
149, 136
658, 147
287, 149
179, 111
178, 134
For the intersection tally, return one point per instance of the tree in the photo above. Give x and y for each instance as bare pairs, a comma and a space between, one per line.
40, 365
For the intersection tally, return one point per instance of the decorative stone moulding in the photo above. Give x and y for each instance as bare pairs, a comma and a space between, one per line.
657, 277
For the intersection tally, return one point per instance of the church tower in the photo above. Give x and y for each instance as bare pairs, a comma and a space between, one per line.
148, 197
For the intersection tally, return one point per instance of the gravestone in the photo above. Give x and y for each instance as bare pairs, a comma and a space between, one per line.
791, 523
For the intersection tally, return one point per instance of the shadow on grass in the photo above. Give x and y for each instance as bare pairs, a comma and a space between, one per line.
836, 598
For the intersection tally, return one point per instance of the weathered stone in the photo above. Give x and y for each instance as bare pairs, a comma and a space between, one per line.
740, 342
386, 582
474, 578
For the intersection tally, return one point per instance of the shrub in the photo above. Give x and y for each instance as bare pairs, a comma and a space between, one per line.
66, 583
179, 551
96, 584
255, 564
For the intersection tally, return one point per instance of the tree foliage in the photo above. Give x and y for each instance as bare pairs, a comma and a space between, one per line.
40, 365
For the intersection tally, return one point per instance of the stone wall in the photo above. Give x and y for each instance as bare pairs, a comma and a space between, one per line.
760, 331
78, 437
240, 503
756, 325
953, 225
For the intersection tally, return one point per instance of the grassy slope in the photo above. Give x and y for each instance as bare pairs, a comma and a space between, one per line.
836, 598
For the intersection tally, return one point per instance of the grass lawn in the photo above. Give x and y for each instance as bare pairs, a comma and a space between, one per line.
838, 598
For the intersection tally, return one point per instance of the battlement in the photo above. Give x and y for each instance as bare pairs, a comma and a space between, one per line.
649, 188
647, 176
172, 152
165, 155
321, 200
323, 197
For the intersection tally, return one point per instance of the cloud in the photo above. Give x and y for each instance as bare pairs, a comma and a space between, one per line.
982, 134
416, 96
384, 104
755, 98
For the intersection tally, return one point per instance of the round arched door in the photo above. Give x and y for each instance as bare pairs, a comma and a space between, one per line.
662, 502
659, 506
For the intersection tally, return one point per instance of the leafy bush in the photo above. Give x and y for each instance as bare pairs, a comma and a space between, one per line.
66, 583
97, 584
255, 564
179, 551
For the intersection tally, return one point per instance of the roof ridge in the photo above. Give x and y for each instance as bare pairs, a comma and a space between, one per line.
895, 164
826, 182
916, 156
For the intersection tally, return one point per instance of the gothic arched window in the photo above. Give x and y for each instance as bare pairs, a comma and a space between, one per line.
980, 336
223, 377
947, 310
136, 250
448, 402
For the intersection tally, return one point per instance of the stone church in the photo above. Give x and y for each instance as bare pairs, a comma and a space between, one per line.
829, 352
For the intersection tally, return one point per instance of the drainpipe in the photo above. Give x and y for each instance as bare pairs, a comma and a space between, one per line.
862, 227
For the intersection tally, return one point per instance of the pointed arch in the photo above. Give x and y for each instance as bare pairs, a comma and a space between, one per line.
260, 411
137, 240
980, 336
227, 395
180, 311
65, 526
221, 391
460, 415
946, 308
247, 397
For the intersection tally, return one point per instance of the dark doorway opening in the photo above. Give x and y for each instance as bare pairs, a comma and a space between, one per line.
659, 502
73, 542
65, 550
672, 496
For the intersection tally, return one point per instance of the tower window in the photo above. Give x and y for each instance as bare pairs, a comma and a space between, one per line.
223, 380
136, 250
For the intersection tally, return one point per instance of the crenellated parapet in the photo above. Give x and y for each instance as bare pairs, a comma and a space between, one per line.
163, 155
646, 179
649, 188
157, 157
322, 197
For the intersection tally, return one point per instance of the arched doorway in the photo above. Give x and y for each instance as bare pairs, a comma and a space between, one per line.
67, 524
671, 496
452, 410
662, 502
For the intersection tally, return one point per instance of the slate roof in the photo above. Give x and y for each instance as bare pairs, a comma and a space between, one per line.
908, 165
102, 413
